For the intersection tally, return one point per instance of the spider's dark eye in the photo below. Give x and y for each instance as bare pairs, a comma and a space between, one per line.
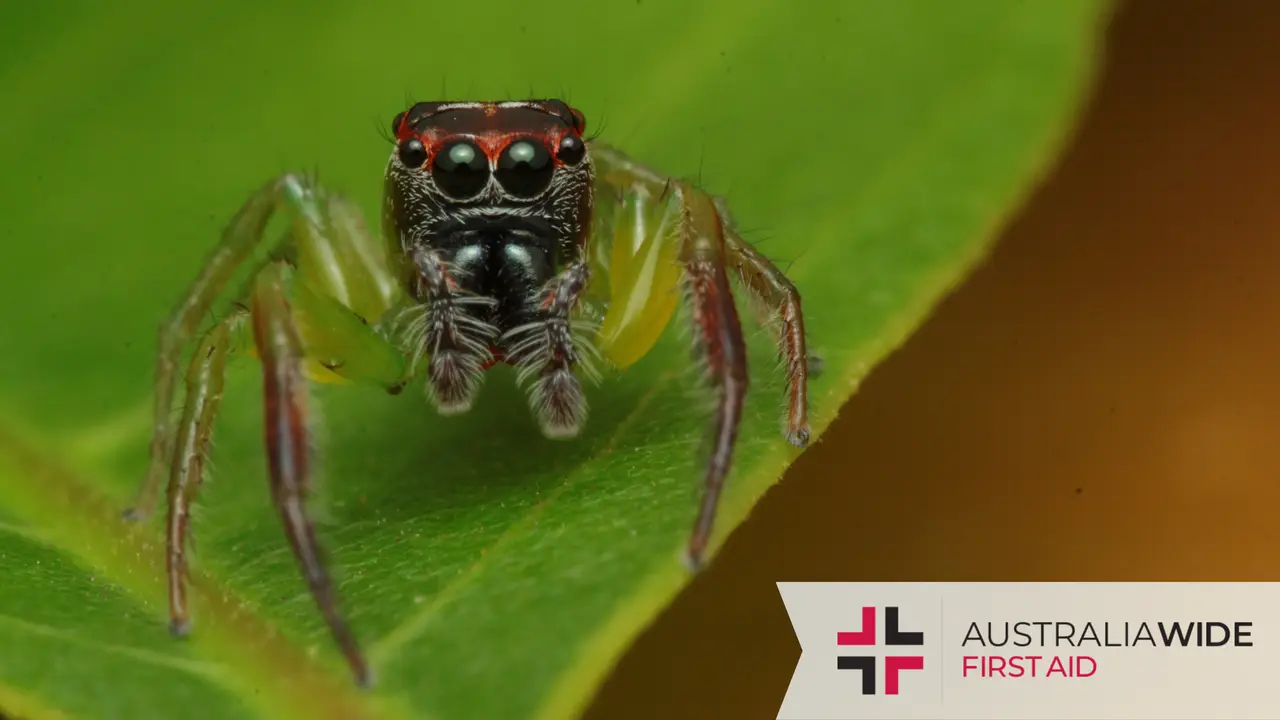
395, 124
572, 150
525, 168
460, 170
413, 153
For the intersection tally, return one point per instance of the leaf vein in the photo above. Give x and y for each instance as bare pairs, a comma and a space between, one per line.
386, 649
199, 668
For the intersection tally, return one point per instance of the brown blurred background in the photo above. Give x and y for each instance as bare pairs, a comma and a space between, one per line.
1101, 401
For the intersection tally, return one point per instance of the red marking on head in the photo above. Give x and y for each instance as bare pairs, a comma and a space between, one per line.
491, 125
494, 142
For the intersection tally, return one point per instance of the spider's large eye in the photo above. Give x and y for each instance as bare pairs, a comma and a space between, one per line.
525, 168
460, 170
572, 150
413, 153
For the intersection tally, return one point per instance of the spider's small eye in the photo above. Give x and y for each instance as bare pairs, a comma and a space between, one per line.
413, 153
395, 124
572, 150
460, 170
525, 168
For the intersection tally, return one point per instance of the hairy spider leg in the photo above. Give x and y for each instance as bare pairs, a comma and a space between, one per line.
718, 336
308, 311
285, 390
670, 235
456, 343
204, 381
771, 286
545, 351
337, 257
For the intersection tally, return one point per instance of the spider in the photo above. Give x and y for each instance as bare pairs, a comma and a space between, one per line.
508, 237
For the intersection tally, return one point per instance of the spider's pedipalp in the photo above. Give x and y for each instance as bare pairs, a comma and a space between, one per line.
455, 342
546, 351
558, 403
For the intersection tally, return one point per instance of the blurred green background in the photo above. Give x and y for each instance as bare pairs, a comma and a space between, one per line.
1100, 401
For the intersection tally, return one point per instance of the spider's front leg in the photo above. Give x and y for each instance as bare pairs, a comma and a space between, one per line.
669, 224
307, 309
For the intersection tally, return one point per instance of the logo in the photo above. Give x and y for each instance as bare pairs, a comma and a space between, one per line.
894, 637
1009, 651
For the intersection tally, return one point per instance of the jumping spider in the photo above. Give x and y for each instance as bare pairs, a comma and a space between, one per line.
508, 237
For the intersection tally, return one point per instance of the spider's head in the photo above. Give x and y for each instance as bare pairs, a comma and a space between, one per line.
479, 165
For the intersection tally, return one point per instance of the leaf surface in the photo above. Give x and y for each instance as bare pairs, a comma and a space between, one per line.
873, 148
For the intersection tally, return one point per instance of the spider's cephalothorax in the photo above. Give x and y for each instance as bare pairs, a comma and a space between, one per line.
489, 205
507, 237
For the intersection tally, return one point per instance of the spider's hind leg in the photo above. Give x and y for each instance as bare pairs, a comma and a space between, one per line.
769, 284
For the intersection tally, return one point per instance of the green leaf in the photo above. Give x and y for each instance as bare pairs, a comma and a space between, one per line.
875, 147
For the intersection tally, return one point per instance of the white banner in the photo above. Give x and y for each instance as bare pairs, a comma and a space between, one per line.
988, 651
